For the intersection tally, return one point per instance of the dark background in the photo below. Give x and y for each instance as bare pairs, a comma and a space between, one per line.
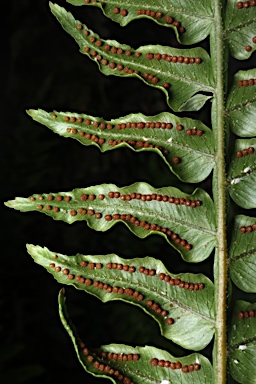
42, 68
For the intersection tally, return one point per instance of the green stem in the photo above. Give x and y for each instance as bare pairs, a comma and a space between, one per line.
219, 52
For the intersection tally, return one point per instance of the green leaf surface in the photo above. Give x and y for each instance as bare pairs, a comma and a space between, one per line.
242, 343
195, 103
183, 310
192, 21
240, 26
185, 151
241, 104
242, 253
186, 221
242, 175
179, 78
141, 365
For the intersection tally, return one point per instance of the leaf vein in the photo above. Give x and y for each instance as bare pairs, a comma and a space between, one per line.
164, 296
241, 105
242, 255
162, 216
239, 26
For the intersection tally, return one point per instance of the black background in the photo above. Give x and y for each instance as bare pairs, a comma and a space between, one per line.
42, 68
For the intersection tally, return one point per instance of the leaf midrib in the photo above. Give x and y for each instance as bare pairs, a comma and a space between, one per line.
108, 54
232, 347
241, 256
241, 176
152, 139
22, 204
237, 107
153, 70
238, 26
132, 284
165, 217
157, 8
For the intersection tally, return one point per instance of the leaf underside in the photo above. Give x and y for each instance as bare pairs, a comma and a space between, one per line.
183, 304
186, 221
191, 23
122, 363
242, 343
185, 144
180, 79
240, 29
242, 253
241, 104
183, 308
240, 115
241, 175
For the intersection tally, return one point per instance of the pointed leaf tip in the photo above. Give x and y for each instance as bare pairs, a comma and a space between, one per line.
185, 150
104, 205
30, 112
9, 203
30, 248
53, 7
50, 5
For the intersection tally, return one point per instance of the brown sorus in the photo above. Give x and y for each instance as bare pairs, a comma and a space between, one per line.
124, 12
176, 160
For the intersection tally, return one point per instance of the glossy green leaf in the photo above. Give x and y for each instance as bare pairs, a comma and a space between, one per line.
241, 175
122, 363
195, 103
187, 304
242, 253
186, 221
240, 28
185, 153
242, 343
178, 80
192, 21
241, 104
